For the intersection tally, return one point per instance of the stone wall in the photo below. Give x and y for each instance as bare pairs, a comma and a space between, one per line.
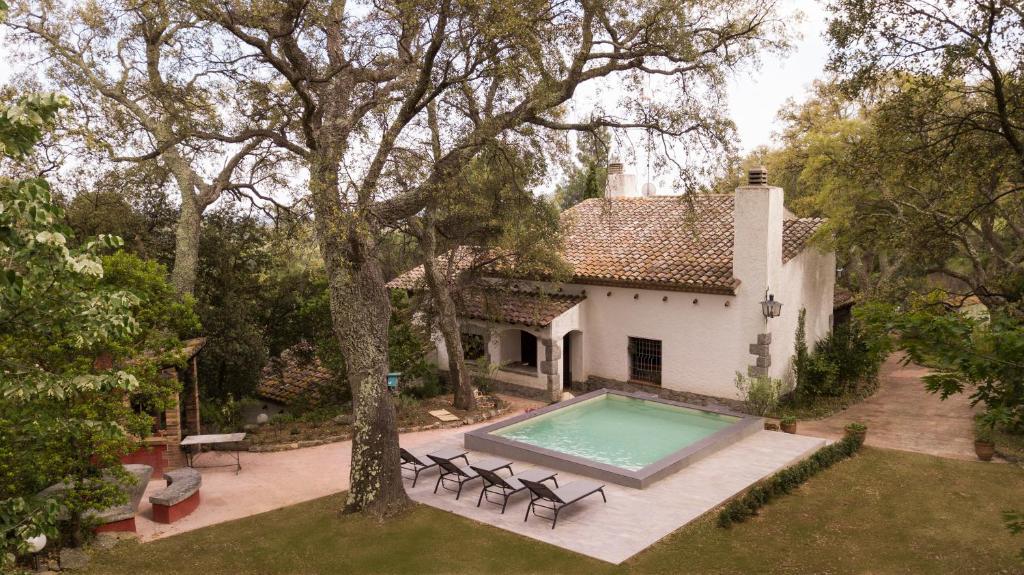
594, 383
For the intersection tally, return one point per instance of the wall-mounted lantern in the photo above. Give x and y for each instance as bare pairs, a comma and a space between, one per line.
769, 307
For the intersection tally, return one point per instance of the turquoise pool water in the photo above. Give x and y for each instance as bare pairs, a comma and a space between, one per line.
621, 431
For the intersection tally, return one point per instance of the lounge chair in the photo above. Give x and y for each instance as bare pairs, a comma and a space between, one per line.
451, 473
559, 498
499, 486
417, 464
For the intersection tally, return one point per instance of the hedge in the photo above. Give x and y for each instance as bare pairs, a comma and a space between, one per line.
783, 482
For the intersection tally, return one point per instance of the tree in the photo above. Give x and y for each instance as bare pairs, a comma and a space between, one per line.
145, 81
586, 177
65, 413
493, 72
488, 218
949, 128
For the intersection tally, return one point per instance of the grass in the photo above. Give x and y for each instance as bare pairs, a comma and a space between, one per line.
1010, 445
879, 512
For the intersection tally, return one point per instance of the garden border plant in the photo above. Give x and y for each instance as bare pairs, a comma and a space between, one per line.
747, 505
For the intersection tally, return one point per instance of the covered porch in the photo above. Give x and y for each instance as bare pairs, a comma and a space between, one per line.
531, 342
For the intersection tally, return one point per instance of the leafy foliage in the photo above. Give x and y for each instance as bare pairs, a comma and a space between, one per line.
841, 362
982, 355
65, 415
761, 394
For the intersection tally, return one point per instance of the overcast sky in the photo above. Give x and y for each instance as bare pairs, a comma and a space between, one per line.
755, 98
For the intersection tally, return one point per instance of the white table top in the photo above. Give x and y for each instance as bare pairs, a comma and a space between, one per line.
213, 438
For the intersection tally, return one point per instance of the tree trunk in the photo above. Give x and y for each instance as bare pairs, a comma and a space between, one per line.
360, 313
448, 322
186, 243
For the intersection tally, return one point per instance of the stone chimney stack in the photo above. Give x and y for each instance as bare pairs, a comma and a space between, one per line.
619, 184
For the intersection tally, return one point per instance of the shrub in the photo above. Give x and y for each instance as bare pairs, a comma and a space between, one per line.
785, 481
406, 403
840, 362
984, 430
761, 394
431, 386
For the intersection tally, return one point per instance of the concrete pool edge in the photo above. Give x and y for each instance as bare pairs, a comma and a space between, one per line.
483, 440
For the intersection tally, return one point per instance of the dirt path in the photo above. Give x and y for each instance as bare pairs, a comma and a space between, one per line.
903, 415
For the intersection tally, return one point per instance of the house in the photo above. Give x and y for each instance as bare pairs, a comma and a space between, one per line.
297, 375
668, 294
162, 450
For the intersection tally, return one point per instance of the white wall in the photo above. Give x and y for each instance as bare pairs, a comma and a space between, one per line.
700, 348
807, 280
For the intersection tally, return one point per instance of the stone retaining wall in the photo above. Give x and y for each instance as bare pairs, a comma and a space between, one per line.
285, 446
594, 383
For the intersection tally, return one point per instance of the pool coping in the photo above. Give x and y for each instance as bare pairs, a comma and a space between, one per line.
482, 439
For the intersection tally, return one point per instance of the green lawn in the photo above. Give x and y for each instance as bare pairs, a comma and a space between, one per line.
880, 512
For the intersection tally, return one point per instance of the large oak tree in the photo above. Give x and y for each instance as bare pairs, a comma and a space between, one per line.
363, 77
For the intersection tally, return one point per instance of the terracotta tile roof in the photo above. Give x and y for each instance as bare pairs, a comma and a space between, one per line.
296, 373
656, 242
841, 297
461, 258
516, 307
795, 234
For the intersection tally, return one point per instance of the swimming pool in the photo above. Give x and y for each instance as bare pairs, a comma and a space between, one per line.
627, 438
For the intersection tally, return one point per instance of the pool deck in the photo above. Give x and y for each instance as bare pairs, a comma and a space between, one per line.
632, 519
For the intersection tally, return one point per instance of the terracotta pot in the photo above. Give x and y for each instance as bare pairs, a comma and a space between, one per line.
788, 427
985, 450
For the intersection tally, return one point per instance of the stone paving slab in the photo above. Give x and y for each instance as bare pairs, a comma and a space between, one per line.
632, 519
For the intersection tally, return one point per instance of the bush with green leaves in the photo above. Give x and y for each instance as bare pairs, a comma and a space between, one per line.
760, 393
840, 362
65, 414
982, 355
748, 505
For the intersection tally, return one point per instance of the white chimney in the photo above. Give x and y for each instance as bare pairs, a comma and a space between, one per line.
758, 213
619, 184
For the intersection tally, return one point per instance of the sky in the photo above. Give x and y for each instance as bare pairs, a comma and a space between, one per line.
755, 97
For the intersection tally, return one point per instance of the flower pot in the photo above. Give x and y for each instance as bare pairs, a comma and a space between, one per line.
788, 427
985, 450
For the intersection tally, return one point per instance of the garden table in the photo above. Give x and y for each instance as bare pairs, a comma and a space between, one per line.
212, 439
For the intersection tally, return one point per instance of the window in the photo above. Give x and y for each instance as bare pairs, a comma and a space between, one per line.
645, 360
473, 346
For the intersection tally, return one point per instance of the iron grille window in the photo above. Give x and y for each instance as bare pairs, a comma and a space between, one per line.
473, 346
645, 360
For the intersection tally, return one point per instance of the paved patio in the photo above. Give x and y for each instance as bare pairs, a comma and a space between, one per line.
270, 481
632, 519
903, 415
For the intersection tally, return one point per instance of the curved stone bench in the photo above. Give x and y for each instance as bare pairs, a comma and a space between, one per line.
119, 517
179, 498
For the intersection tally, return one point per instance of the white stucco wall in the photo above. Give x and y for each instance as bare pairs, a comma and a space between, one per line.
808, 280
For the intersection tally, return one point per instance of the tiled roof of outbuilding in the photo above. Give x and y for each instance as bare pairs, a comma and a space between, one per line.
296, 373
516, 307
